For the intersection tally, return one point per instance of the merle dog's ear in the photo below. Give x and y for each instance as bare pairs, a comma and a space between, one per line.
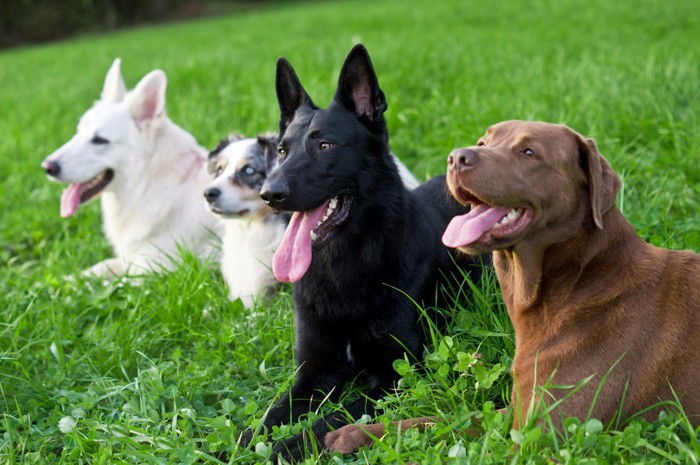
603, 182
269, 142
290, 93
358, 88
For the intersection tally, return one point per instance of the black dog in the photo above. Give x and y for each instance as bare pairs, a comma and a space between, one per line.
360, 246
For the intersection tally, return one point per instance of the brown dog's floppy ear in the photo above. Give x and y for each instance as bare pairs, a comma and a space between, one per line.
603, 182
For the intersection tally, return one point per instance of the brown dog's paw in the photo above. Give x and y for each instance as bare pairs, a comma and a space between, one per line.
351, 438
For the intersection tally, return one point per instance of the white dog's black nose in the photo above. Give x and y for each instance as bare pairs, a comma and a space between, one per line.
212, 193
51, 167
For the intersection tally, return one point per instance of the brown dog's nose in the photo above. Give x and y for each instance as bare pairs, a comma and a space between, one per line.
462, 158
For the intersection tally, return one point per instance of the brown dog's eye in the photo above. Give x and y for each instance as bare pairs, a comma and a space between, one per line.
325, 146
529, 152
480, 143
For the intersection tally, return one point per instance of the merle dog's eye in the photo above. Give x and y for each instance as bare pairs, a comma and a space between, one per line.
97, 140
281, 152
247, 169
529, 152
325, 146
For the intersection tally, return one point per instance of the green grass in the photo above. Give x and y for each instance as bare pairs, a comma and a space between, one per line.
170, 371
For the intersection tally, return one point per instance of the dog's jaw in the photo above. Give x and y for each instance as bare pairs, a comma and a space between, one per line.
308, 230
77, 194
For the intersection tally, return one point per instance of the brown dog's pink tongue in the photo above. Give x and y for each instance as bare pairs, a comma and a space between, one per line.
465, 229
293, 256
70, 199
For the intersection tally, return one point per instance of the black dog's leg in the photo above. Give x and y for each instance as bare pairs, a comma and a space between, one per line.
296, 448
323, 371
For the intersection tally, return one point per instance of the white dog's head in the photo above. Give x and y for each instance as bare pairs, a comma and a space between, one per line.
240, 166
109, 138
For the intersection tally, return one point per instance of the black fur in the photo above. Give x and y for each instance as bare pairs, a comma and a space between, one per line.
353, 293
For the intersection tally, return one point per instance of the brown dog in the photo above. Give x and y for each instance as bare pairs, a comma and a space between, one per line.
587, 297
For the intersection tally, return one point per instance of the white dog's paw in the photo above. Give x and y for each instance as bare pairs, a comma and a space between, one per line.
107, 270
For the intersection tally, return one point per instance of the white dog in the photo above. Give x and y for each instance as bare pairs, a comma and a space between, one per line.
253, 231
150, 174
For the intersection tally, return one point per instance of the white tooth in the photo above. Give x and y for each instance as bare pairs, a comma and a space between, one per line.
313, 236
333, 202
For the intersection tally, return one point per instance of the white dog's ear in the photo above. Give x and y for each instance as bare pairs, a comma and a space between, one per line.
147, 101
114, 88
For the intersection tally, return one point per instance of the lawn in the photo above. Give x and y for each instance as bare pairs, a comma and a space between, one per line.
170, 371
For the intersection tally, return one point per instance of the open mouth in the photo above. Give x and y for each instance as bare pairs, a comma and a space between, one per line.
308, 230
336, 213
485, 225
228, 213
77, 194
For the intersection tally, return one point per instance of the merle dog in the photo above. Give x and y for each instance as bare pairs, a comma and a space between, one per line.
360, 247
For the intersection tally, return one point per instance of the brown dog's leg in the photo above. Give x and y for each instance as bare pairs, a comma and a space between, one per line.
351, 438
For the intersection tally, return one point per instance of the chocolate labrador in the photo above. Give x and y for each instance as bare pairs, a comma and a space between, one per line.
588, 298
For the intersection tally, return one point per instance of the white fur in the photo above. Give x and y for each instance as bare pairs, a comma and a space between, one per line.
251, 239
153, 204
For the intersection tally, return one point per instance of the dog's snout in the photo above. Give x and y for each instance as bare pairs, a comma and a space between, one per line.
212, 193
274, 194
462, 158
52, 168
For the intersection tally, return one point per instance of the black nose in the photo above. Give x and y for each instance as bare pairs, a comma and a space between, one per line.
212, 193
461, 159
51, 167
274, 194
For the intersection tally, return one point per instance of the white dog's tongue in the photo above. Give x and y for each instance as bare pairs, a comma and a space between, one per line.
465, 229
293, 256
70, 199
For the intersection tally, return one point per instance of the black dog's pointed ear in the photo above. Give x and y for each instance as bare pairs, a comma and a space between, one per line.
290, 94
358, 88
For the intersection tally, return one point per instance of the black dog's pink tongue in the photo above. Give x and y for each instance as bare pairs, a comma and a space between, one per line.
293, 256
465, 229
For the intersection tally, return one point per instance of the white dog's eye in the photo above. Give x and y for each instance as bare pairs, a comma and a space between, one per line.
97, 140
325, 146
529, 152
219, 170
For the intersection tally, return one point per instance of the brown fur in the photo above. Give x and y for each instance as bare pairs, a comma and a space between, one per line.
586, 295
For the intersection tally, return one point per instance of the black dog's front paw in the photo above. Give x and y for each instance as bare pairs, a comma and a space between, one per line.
295, 449
246, 438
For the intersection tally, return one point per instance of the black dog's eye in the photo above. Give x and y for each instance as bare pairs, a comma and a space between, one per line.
97, 140
529, 152
325, 146
281, 152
